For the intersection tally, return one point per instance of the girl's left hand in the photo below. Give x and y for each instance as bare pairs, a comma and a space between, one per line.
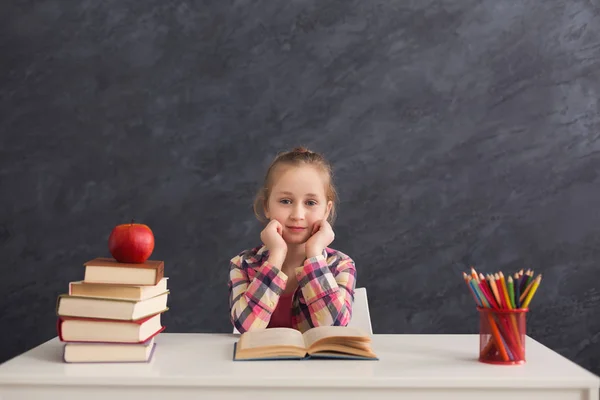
322, 235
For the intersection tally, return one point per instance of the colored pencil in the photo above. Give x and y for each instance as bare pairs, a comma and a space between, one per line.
494, 287
517, 291
535, 284
511, 292
483, 284
488, 295
466, 278
472, 285
482, 298
500, 290
497, 338
526, 292
524, 279
505, 291
497, 292
513, 319
529, 278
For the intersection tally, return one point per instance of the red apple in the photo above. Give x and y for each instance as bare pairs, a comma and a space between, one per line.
131, 243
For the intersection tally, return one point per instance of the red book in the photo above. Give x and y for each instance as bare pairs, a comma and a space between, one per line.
96, 330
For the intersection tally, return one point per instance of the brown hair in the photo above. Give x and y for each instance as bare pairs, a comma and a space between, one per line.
295, 157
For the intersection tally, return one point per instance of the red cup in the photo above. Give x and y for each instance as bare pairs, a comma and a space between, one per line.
502, 335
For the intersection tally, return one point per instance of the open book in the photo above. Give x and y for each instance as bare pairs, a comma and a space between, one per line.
290, 344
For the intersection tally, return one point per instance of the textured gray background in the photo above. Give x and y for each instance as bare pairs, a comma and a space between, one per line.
461, 132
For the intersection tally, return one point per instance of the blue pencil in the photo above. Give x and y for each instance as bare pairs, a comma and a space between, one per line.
482, 301
475, 294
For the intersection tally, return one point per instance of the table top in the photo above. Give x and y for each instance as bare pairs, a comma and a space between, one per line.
202, 359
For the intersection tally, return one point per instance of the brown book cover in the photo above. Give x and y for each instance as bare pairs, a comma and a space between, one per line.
105, 262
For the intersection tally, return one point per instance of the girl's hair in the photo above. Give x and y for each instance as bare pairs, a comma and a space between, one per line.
296, 157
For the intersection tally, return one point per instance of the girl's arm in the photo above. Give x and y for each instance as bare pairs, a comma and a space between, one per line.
251, 303
329, 295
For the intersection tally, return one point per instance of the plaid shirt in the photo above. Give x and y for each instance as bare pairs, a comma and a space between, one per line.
324, 296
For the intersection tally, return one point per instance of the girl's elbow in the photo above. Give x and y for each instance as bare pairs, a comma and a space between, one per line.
240, 328
343, 320
340, 319
235, 321
246, 326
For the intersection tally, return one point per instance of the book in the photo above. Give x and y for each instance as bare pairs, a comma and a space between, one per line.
108, 352
318, 342
109, 270
117, 291
77, 329
106, 308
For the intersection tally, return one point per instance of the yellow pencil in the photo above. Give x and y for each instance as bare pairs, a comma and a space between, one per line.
526, 291
534, 286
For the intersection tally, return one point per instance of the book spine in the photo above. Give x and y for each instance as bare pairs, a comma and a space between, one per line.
152, 335
105, 362
160, 272
58, 304
58, 329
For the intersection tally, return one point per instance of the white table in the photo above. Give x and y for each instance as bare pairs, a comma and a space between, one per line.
199, 366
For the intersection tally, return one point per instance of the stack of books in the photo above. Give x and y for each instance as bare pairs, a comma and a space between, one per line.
114, 313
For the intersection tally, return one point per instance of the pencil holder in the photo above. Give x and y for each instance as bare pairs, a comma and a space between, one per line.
502, 335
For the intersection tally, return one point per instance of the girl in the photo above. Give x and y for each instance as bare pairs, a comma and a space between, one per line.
294, 280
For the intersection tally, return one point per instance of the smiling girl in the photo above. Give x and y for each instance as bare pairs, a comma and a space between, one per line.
294, 279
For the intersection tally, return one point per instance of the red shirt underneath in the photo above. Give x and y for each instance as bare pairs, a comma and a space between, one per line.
282, 315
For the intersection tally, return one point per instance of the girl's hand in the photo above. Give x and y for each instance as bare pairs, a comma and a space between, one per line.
272, 237
322, 235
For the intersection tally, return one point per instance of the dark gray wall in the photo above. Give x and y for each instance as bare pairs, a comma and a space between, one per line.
462, 133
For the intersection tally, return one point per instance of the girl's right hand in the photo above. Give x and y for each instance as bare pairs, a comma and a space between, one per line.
272, 237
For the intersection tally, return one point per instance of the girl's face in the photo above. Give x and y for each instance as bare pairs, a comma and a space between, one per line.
297, 200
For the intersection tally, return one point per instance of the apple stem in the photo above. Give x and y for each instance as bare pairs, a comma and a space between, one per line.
132, 221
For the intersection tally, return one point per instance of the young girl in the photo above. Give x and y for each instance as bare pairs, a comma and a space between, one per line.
294, 280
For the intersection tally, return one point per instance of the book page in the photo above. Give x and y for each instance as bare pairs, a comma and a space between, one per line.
313, 335
120, 275
271, 337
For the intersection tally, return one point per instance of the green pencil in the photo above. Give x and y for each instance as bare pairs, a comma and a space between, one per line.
529, 278
511, 292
